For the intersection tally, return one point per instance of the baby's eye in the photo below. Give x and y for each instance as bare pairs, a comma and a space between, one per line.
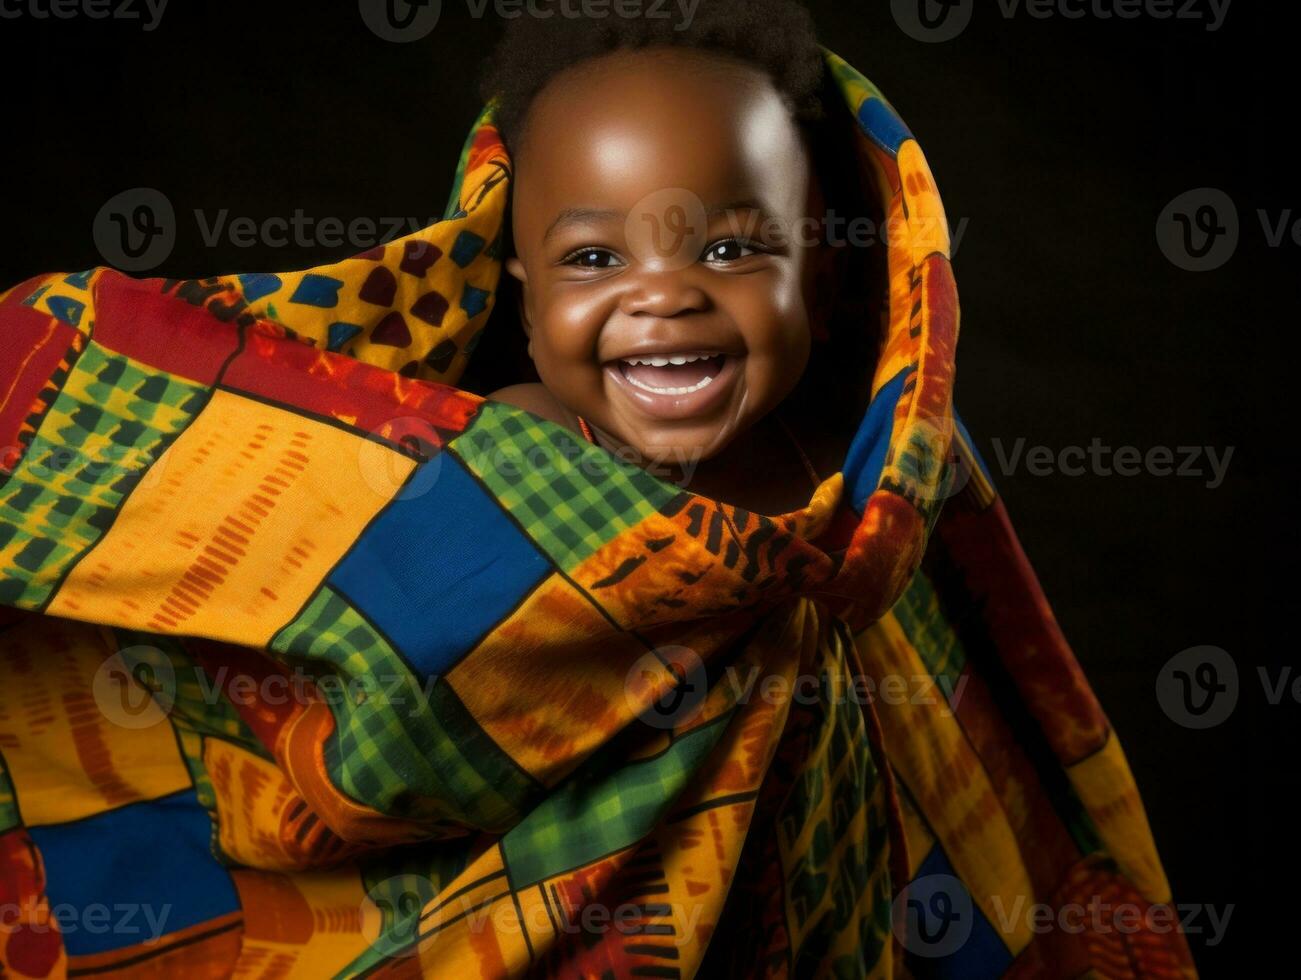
727, 251
593, 258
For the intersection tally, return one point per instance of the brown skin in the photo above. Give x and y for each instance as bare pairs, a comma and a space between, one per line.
603, 141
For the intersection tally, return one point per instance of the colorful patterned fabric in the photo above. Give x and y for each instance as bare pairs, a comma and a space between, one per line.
313, 665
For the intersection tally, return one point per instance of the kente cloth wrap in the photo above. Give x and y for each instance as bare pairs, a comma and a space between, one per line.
312, 664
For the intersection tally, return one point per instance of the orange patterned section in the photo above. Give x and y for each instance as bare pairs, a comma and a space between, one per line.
549, 684
262, 820
708, 559
300, 925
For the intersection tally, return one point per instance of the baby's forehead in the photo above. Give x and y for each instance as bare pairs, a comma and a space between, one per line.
670, 98
586, 140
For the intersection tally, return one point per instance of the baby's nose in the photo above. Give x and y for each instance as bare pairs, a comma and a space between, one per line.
663, 294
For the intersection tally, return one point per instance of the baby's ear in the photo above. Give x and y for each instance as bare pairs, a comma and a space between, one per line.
826, 272
516, 268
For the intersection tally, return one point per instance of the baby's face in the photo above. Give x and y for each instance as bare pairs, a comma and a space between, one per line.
661, 210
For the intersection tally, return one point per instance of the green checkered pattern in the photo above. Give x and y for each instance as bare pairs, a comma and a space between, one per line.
106, 427
570, 496
407, 750
593, 815
8, 803
401, 882
927, 628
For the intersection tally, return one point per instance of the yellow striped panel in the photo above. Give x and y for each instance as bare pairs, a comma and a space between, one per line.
1107, 789
203, 546
67, 757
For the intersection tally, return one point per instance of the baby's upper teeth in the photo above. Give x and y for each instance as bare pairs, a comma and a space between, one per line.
658, 361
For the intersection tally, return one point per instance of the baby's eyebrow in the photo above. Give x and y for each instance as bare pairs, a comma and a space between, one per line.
573, 216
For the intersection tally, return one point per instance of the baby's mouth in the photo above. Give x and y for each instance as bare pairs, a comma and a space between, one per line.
677, 384
672, 374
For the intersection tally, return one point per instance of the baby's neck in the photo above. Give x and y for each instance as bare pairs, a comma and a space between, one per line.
761, 470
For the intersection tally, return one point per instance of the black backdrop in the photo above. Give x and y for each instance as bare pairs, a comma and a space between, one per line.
1056, 142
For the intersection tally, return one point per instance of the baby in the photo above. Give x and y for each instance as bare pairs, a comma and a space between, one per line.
675, 286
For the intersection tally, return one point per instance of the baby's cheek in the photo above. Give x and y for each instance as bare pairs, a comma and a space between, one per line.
571, 327
779, 327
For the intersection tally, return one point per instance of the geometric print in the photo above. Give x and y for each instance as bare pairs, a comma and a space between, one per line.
487, 609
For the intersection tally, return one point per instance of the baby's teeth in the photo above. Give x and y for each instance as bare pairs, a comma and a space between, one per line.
673, 391
658, 361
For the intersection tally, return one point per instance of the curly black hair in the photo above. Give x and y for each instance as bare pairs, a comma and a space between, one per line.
776, 36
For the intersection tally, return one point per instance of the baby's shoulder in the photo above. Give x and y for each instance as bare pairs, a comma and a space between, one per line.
532, 397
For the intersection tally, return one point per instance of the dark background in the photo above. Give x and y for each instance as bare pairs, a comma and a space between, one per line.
1059, 141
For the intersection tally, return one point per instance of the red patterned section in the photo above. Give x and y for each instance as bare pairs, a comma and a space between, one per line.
31, 355
128, 313
30, 942
420, 413
940, 299
996, 575
633, 883
1101, 926
487, 144
885, 551
233, 666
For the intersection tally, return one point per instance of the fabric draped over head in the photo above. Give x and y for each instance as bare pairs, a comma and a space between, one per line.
223, 499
